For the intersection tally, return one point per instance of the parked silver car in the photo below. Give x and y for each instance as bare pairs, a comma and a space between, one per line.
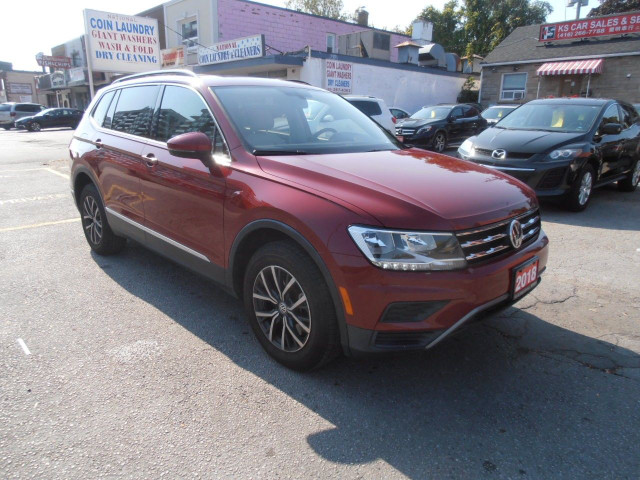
12, 111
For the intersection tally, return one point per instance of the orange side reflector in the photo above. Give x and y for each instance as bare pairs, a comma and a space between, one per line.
346, 300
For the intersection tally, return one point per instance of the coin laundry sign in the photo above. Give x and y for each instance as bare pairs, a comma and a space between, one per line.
238, 49
122, 43
339, 76
592, 27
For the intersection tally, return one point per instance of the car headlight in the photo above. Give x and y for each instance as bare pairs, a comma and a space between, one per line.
466, 148
408, 251
424, 129
565, 153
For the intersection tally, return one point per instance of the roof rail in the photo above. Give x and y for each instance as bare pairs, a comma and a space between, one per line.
186, 73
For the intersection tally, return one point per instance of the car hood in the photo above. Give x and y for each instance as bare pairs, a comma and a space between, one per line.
418, 122
25, 119
524, 141
410, 189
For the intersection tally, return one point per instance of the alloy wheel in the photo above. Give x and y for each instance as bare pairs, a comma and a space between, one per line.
92, 220
439, 142
35, 126
585, 188
281, 308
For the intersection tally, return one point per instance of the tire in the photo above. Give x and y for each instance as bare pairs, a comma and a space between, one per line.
99, 235
35, 127
313, 323
631, 181
440, 142
581, 189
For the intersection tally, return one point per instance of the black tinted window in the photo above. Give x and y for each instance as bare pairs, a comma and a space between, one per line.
611, 115
471, 112
182, 111
628, 116
108, 119
367, 107
381, 41
28, 108
456, 112
135, 109
101, 108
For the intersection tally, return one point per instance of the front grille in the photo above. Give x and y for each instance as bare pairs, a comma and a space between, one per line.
552, 178
483, 243
405, 131
405, 339
509, 155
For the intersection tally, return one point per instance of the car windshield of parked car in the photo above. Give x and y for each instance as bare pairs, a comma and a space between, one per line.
551, 117
496, 113
432, 113
291, 120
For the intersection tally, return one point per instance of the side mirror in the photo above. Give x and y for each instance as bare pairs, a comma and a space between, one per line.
192, 145
611, 129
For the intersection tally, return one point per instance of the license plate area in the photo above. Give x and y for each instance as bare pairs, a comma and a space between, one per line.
524, 278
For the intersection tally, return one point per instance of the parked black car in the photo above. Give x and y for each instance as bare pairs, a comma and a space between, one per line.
564, 147
440, 126
51, 118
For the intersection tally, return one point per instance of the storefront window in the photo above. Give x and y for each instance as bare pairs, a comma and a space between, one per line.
514, 86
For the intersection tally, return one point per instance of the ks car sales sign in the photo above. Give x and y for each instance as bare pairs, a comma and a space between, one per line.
591, 27
122, 43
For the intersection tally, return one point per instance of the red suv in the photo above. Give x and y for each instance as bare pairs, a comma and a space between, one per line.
336, 236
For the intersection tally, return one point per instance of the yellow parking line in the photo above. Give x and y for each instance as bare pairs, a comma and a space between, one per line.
36, 225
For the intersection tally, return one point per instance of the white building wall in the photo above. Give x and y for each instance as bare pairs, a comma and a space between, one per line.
398, 88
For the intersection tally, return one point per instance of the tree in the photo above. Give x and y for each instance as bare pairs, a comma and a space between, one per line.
609, 7
478, 26
324, 8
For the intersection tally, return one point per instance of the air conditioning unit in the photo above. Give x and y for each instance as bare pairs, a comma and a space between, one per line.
367, 44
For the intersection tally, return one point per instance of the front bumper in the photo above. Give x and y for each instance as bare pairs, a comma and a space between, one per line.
460, 296
548, 179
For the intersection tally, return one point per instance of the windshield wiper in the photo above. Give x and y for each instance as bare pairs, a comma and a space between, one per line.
265, 152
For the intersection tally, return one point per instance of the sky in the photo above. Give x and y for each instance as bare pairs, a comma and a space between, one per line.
51, 23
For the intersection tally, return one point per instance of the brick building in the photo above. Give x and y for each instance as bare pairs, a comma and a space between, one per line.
525, 66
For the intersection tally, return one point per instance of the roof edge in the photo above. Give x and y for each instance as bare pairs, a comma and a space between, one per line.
559, 59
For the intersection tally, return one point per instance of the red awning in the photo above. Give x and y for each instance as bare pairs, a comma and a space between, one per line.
571, 68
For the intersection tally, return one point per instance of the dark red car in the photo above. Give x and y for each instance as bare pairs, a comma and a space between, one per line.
335, 236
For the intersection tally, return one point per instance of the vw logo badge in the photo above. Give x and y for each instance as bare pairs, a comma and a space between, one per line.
515, 234
499, 154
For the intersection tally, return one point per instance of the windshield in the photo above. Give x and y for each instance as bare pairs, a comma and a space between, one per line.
551, 117
293, 120
44, 112
496, 113
432, 113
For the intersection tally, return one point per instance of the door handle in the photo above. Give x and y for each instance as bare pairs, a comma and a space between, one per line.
150, 160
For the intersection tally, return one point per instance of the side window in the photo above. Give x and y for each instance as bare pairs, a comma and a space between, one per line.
101, 108
182, 111
471, 112
456, 112
628, 116
22, 108
135, 109
108, 119
611, 115
367, 107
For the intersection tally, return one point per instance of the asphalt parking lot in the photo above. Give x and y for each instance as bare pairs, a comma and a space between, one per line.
130, 366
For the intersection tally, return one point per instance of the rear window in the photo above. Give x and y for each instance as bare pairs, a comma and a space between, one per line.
135, 109
5, 108
367, 107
